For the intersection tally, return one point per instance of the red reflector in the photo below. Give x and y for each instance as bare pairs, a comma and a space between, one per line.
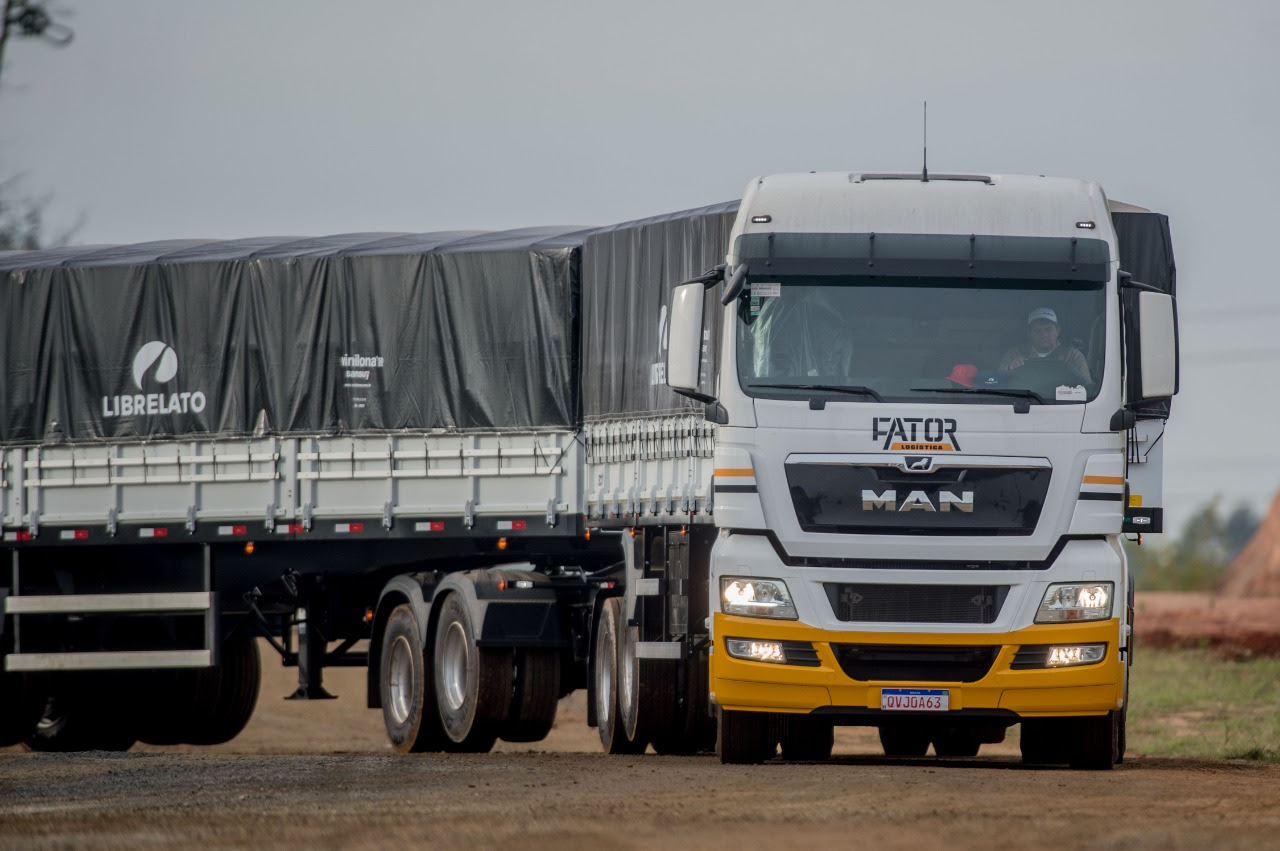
357, 527
296, 529
82, 534
436, 526
518, 524
239, 530
25, 536
162, 533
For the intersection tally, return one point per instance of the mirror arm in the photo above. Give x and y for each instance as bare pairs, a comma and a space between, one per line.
709, 278
735, 283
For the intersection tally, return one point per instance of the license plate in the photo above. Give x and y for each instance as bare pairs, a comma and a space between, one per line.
915, 699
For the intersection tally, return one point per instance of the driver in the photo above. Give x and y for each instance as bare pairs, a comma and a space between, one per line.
1042, 342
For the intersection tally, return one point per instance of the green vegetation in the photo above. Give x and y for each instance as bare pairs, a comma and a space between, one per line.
1194, 703
1195, 560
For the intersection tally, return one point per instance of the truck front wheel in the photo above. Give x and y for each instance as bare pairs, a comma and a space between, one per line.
1098, 742
744, 737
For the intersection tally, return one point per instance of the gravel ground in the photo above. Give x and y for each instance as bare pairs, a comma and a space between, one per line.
321, 773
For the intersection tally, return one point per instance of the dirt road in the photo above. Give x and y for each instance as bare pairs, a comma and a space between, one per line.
320, 773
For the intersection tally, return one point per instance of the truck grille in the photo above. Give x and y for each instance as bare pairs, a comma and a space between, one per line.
881, 603
918, 663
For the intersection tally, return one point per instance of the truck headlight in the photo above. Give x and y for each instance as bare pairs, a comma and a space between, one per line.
757, 598
1068, 602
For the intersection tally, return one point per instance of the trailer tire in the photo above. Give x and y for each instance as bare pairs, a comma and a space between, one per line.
21, 705
535, 696
1097, 742
613, 739
473, 685
80, 715
744, 738
807, 739
404, 683
233, 685
904, 739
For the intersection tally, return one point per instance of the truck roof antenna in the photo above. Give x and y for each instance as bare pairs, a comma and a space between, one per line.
924, 168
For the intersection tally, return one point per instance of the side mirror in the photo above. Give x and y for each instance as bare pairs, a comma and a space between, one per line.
684, 350
1157, 349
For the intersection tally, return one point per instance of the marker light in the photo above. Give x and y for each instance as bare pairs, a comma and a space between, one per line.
1071, 602
757, 598
756, 651
1075, 654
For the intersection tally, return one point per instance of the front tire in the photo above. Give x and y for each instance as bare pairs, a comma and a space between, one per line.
744, 738
1098, 742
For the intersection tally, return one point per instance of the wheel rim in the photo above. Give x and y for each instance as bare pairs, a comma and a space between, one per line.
400, 679
454, 666
626, 677
604, 682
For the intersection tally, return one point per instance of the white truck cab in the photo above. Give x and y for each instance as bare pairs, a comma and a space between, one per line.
932, 400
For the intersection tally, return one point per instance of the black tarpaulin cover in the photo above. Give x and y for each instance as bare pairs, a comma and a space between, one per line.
360, 332
628, 273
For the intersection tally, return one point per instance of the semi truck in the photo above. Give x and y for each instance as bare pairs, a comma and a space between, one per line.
743, 473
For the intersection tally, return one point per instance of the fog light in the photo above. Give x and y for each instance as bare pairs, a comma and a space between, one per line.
756, 651
1075, 654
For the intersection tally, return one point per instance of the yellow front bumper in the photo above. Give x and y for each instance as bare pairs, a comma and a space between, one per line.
764, 686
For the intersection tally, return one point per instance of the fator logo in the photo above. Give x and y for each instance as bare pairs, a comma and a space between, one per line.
155, 363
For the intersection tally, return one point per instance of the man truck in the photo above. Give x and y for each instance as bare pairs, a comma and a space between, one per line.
744, 473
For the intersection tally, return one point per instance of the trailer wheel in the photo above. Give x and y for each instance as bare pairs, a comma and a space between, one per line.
473, 686
408, 699
1098, 742
807, 739
744, 737
535, 696
21, 705
904, 739
233, 692
81, 715
612, 737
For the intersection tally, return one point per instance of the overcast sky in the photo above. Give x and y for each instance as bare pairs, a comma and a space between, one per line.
188, 118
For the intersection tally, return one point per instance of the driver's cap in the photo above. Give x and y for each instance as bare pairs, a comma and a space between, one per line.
1042, 313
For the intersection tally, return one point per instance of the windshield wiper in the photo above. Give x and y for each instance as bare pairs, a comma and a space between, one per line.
852, 389
1014, 392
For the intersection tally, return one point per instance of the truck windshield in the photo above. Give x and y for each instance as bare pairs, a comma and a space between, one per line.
949, 340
